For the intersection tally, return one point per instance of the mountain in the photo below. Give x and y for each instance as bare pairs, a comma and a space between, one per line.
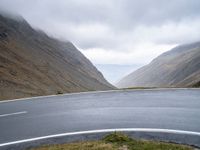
33, 64
179, 67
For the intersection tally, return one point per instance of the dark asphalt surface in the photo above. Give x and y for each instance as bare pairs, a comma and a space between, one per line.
177, 109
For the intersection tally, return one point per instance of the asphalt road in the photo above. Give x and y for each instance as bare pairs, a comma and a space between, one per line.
176, 109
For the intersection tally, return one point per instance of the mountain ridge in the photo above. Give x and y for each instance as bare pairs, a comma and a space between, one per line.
179, 67
34, 64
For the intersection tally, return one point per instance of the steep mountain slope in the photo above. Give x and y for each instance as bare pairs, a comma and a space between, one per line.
32, 63
179, 67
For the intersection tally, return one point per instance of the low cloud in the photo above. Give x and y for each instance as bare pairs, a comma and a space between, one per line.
129, 31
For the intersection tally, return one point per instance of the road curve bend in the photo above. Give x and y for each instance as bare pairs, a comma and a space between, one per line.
163, 114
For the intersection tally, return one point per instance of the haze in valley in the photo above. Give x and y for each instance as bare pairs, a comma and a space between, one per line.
112, 33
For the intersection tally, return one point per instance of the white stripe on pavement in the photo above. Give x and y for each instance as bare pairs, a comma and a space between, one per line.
11, 114
104, 131
94, 92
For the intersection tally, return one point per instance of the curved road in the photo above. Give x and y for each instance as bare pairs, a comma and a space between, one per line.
174, 109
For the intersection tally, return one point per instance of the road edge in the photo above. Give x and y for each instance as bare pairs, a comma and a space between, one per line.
166, 135
92, 92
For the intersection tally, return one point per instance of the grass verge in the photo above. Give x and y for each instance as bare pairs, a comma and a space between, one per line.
116, 141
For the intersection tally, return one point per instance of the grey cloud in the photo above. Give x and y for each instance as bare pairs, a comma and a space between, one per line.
122, 18
110, 11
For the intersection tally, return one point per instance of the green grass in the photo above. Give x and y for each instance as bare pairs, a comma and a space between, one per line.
116, 141
93, 145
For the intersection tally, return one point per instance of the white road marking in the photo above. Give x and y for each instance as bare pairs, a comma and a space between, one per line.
104, 131
11, 114
91, 92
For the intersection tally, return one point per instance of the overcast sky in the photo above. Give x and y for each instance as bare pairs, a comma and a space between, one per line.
114, 31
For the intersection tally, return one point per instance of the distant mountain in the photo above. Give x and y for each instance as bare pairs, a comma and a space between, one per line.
179, 67
32, 63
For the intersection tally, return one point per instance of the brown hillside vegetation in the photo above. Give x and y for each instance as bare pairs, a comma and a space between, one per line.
179, 67
32, 64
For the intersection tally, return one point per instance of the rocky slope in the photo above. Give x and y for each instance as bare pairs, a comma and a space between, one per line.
179, 67
32, 63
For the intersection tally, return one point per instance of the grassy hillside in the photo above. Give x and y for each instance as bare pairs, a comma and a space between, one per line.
116, 141
179, 67
32, 63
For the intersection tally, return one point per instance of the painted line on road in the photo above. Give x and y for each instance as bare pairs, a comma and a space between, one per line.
93, 92
61, 95
104, 131
12, 114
